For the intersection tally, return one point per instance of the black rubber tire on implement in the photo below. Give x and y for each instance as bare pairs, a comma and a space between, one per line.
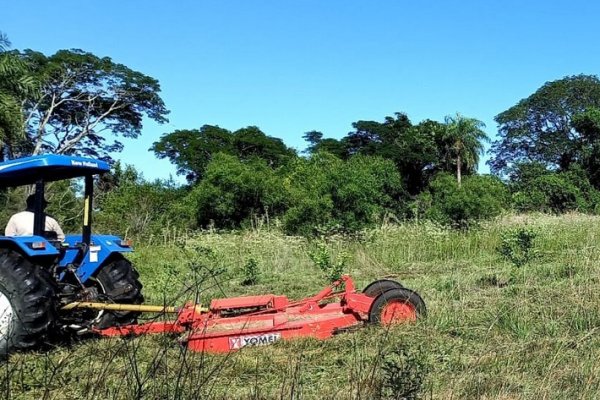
376, 288
28, 294
119, 282
398, 295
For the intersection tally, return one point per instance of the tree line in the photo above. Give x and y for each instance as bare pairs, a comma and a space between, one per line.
545, 157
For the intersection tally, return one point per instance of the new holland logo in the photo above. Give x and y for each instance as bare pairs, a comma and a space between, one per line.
255, 340
88, 164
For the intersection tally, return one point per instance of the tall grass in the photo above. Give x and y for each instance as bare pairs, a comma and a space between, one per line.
493, 331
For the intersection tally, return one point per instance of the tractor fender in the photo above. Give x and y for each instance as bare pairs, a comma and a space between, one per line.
29, 246
101, 248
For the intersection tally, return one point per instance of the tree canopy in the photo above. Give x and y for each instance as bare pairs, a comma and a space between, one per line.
191, 150
462, 140
539, 128
16, 85
418, 151
85, 100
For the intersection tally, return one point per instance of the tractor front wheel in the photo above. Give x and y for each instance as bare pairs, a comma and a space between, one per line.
397, 305
118, 282
27, 303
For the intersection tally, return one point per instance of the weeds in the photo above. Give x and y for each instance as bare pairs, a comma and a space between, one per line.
322, 258
251, 272
518, 247
404, 371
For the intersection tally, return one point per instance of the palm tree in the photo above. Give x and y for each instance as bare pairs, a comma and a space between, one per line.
464, 139
16, 86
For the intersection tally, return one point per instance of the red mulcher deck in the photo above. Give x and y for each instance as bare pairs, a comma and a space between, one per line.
237, 322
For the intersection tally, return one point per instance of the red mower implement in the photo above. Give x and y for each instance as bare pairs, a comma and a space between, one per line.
237, 322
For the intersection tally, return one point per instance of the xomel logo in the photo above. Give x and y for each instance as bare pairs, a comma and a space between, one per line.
255, 340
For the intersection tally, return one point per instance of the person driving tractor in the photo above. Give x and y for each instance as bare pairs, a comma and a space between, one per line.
21, 224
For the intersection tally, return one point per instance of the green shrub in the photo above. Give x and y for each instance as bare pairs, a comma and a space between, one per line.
333, 269
518, 246
234, 191
536, 189
308, 184
137, 208
367, 189
550, 193
328, 194
479, 197
404, 371
251, 273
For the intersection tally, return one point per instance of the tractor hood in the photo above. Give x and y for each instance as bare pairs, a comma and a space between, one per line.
49, 167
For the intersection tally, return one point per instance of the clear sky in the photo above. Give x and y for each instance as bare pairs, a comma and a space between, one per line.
293, 66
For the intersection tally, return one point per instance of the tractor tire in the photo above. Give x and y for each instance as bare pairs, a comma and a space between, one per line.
119, 283
376, 288
27, 303
395, 306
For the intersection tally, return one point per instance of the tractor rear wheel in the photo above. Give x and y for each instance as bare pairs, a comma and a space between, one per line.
27, 303
397, 305
374, 289
118, 282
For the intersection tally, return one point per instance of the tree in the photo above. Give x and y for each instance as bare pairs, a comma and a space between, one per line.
416, 150
83, 97
463, 139
587, 125
192, 150
539, 127
417, 154
411, 148
16, 85
318, 144
251, 143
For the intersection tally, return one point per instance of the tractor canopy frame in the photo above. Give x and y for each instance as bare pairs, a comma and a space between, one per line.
38, 170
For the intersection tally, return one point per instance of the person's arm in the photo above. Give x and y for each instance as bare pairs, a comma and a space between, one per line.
52, 225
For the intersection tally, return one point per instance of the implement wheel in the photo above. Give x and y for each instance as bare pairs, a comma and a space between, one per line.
374, 289
27, 303
118, 282
396, 306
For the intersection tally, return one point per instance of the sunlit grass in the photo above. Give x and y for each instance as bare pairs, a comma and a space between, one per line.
493, 332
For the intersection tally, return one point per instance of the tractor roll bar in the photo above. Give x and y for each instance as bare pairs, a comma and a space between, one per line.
87, 209
39, 220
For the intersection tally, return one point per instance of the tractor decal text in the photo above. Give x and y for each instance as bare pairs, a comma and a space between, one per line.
255, 340
88, 164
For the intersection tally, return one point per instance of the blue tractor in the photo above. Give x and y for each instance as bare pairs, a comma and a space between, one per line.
39, 275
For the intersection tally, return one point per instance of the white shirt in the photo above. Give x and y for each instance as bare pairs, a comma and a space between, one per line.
21, 224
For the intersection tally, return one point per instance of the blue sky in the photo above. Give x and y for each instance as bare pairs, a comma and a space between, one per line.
293, 66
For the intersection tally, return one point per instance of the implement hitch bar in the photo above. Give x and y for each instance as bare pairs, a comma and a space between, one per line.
238, 322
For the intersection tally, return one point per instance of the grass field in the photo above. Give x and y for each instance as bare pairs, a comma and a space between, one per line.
494, 331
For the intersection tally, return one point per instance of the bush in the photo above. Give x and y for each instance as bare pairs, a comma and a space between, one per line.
367, 189
328, 194
556, 193
535, 188
518, 247
234, 191
333, 270
135, 207
309, 184
251, 273
480, 197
